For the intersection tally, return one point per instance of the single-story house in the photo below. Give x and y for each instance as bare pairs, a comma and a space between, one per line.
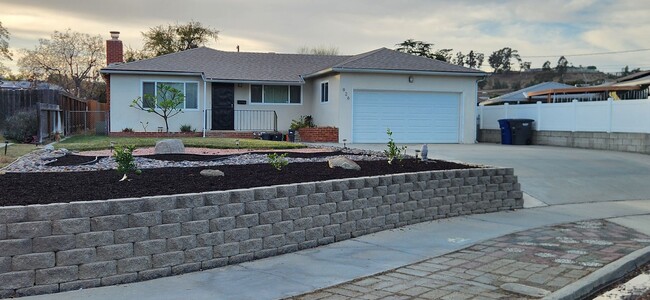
421, 100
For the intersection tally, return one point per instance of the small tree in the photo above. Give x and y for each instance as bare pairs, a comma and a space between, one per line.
166, 104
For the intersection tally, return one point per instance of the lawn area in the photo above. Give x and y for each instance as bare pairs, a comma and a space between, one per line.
93, 142
14, 151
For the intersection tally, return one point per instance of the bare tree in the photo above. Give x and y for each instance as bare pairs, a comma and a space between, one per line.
319, 50
4, 49
69, 59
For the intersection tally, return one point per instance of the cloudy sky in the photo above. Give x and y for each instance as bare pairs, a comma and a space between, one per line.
535, 28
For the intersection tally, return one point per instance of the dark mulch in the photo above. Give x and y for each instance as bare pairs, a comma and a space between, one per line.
72, 159
59, 187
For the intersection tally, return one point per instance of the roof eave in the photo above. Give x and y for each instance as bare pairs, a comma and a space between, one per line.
319, 73
410, 72
250, 81
135, 72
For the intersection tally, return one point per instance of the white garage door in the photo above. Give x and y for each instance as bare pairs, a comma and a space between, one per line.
413, 117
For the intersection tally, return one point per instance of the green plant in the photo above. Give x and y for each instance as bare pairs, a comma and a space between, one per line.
393, 151
21, 126
125, 161
303, 122
127, 129
277, 161
187, 128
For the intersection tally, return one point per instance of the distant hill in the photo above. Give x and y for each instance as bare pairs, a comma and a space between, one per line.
499, 84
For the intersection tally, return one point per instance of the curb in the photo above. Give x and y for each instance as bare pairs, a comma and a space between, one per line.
589, 284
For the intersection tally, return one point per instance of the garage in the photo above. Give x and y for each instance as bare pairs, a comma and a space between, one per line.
413, 117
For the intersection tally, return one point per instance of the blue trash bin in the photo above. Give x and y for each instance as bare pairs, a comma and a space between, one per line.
506, 132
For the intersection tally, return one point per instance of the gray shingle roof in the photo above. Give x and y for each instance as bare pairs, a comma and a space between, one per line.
246, 66
386, 59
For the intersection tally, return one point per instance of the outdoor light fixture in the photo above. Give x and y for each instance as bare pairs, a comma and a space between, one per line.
237, 143
344, 141
112, 146
411, 79
417, 153
6, 145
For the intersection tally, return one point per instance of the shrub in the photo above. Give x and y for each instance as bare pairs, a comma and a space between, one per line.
127, 129
303, 122
21, 126
187, 128
278, 161
125, 161
393, 151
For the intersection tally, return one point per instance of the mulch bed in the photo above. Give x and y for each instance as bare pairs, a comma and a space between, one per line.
61, 187
72, 159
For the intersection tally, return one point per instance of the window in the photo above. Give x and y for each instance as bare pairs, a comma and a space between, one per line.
324, 92
276, 94
189, 89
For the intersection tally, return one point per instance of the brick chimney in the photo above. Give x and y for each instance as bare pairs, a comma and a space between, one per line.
114, 49
114, 54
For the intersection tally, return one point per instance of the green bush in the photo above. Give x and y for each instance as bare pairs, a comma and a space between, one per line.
21, 126
124, 159
277, 161
187, 128
303, 122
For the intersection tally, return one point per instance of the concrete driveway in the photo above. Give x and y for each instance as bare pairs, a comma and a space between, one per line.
555, 175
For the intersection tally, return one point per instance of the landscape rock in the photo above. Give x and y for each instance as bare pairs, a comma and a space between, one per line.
343, 162
169, 146
212, 173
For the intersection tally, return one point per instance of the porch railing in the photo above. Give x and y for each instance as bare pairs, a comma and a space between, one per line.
249, 120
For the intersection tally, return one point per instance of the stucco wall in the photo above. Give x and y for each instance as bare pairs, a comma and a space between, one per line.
125, 88
396, 82
68, 246
325, 113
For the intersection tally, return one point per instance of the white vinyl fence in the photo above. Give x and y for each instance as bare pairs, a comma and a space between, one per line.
596, 116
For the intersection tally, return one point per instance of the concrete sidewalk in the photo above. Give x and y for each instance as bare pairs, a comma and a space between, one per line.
309, 270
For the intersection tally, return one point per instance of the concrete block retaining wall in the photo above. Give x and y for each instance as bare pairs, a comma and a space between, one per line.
615, 141
61, 247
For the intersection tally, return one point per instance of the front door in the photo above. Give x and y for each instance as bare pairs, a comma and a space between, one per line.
223, 106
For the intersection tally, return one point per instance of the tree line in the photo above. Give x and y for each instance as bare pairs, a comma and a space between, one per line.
72, 60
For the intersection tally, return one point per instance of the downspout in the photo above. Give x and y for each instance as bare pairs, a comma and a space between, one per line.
205, 110
480, 121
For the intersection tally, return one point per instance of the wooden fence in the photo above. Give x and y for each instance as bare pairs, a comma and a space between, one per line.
12, 100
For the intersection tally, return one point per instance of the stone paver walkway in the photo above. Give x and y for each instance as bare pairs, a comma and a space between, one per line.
527, 264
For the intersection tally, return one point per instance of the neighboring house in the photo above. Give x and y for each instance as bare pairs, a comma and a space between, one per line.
521, 96
421, 100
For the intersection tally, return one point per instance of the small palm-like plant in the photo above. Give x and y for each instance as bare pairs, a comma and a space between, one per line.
125, 161
393, 152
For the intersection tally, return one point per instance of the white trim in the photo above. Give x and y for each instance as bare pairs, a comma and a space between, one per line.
153, 73
258, 82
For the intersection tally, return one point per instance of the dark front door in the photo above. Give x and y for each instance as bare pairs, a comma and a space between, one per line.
223, 106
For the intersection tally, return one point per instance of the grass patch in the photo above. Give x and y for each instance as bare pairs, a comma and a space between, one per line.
93, 142
14, 151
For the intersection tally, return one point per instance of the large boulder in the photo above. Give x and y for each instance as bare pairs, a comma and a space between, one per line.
343, 162
169, 146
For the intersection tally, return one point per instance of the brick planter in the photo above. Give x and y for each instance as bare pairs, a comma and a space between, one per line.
68, 246
319, 134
